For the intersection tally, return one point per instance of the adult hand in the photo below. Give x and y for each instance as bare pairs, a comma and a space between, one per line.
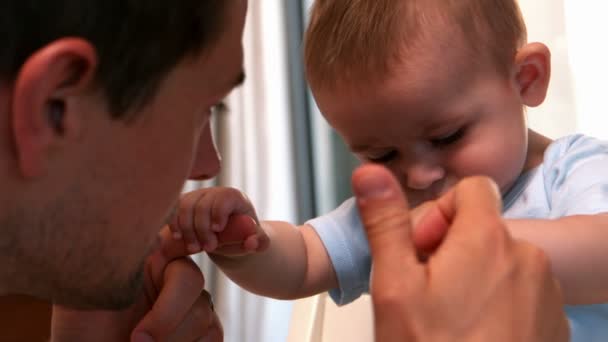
478, 285
172, 307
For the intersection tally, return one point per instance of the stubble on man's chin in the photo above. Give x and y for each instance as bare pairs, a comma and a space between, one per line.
133, 288
109, 296
126, 295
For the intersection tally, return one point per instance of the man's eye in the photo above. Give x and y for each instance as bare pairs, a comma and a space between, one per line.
448, 139
383, 159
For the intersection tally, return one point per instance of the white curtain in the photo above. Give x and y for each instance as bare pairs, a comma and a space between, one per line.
587, 34
575, 31
255, 141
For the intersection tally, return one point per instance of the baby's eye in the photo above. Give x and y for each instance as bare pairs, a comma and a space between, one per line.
448, 139
383, 158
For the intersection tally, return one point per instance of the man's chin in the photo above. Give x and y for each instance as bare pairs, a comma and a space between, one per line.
104, 297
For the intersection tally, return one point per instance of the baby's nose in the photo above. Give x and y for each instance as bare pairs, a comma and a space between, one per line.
421, 177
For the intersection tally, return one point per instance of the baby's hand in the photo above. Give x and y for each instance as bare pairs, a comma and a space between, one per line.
218, 220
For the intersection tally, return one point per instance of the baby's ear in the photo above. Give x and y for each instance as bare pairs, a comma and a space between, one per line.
532, 73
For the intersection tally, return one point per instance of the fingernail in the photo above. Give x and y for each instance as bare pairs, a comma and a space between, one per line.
372, 186
215, 227
142, 337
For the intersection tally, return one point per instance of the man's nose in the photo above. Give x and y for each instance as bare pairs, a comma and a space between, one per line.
207, 161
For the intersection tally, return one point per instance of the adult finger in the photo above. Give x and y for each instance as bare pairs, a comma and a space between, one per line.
201, 323
429, 228
385, 215
182, 285
397, 275
170, 248
473, 205
477, 235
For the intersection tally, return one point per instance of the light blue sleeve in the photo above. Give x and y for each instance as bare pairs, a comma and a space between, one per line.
588, 323
576, 183
342, 234
576, 176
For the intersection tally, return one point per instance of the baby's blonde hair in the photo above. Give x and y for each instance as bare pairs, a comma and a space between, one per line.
361, 40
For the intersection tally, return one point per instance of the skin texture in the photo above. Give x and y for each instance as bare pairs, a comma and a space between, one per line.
500, 289
84, 196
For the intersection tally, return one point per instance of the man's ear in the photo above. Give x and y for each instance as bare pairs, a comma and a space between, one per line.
42, 100
532, 73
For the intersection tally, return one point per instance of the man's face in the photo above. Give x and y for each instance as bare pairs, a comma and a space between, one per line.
431, 126
118, 186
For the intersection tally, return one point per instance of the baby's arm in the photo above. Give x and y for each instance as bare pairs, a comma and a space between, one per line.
575, 245
273, 259
578, 249
294, 265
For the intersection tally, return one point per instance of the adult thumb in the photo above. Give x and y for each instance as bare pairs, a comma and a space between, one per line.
385, 215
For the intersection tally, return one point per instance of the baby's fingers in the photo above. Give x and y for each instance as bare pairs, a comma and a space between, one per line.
189, 208
241, 236
229, 202
203, 223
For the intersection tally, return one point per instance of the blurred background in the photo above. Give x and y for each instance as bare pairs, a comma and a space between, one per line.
277, 148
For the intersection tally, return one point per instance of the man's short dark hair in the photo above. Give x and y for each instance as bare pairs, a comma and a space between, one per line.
137, 41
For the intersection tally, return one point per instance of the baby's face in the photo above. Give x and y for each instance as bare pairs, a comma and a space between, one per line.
432, 128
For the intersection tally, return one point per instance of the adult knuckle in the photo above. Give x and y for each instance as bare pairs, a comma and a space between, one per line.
537, 259
498, 230
543, 264
395, 292
387, 297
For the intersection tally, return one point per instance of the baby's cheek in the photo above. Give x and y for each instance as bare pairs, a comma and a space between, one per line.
491, 162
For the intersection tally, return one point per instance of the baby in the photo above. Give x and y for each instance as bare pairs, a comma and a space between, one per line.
435, 90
